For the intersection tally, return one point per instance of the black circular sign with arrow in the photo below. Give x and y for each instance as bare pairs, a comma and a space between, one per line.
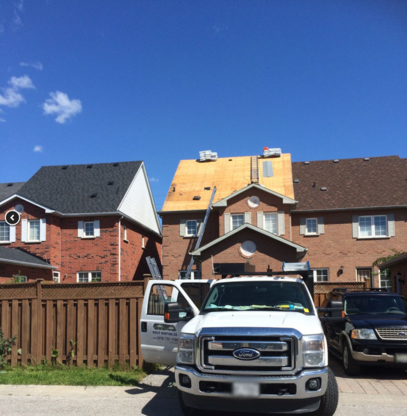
12, 217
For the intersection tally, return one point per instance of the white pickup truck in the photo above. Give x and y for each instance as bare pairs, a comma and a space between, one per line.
254, 344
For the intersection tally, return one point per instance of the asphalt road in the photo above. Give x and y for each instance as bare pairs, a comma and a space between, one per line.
56, 405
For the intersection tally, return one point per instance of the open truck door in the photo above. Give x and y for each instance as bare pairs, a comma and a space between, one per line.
159, 340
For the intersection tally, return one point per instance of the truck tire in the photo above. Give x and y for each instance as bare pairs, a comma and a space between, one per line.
187, 410
329, 401
351, 367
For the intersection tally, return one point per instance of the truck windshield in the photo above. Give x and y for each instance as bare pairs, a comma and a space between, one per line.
259, 296
375, 305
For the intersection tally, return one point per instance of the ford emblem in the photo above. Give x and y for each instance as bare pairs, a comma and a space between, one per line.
246, 354
402, 334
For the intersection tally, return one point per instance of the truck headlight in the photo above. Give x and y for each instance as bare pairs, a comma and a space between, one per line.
313, 351
363, 334
186, 349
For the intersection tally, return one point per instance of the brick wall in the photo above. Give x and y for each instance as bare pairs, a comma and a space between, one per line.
269, 252
336, 247
32, 273
72, 254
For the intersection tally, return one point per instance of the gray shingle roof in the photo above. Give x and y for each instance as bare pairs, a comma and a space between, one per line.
351, 183
15, 255
78, 189
9, 188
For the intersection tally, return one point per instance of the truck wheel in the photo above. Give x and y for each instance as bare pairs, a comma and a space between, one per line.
329, 401
351, 367
187, 410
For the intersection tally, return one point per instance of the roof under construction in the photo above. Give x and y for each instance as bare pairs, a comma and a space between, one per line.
197, 179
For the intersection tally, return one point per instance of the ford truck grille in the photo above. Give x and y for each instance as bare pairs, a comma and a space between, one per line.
392, 334
272, 354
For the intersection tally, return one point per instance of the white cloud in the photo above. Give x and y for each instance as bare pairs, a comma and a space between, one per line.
60, 105
18, 8
2, 120
12, 97
36, 65
38, 149
154, 179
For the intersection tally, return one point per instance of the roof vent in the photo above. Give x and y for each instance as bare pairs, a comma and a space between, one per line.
93, 196
323, 189
110, 183
207, 155
196, 198
296, 181
230, 160
9, 184
207, 188
89, 167
115, 164
271, 152
64, 167
336, 161
306, 163
366, 159
314, 185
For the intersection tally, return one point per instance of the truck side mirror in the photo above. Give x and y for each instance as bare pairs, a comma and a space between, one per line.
173, 313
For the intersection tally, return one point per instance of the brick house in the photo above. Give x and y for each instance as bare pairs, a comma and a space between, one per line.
338, 215
80, 223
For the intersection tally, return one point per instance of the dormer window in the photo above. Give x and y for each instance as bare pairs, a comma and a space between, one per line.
237, 220
191, 228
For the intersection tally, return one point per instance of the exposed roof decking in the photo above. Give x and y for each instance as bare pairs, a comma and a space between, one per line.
228, 175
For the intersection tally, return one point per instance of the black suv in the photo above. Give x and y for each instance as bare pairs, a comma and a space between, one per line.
366, 328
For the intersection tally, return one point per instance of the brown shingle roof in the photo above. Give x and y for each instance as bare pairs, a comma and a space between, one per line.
351, 183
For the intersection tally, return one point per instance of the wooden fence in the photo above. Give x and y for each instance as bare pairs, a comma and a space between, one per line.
322, 289
91, 324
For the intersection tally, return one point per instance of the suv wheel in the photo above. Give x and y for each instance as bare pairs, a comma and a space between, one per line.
351, 367
329, 401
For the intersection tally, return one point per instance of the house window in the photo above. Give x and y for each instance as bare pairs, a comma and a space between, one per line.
364, 275
56, 277
270, 223
311, 226
191, 228
34, 230
85, 277
373, 226
321, 275
124, 233
195, 274
89, 229
237, 220
385, 278
4, 232
18, 278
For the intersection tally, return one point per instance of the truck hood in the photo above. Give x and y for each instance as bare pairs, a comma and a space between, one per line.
306, 324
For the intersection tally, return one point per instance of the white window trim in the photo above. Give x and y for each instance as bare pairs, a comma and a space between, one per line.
28, 231
84, 229
380, 280
186, 229
57, 276
6, 241
306, 226
143, 242
264, 221
360, 237
231, 220
314, 274
89, 276
125, 233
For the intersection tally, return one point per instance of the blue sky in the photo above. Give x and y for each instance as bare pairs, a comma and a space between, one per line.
115, 80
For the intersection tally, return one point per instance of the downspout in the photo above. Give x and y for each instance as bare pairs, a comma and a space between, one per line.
120, 248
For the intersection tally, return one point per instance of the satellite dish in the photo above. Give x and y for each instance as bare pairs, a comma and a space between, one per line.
19, 208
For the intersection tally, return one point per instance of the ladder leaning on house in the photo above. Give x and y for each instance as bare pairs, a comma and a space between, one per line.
201, 232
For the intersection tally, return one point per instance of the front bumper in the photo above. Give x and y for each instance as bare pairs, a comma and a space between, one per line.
267, 383
380, 352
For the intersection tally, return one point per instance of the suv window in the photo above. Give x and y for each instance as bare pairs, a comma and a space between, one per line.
375, 305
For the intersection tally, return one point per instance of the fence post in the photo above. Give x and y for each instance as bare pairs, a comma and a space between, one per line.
39, 321
147, 278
